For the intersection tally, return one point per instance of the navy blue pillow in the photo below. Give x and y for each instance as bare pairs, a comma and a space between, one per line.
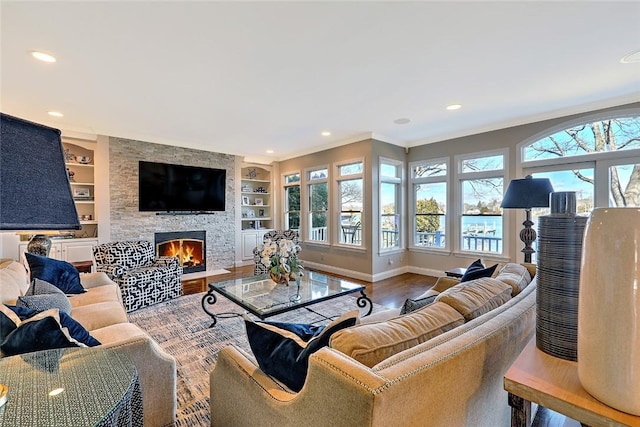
36, 335
76, 330
282, 350
61, 274
477, 270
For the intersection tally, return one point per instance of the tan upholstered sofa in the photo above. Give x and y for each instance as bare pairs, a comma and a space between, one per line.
452, 379
101, 312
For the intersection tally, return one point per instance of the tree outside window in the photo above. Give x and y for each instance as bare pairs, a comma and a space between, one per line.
618, 137
429, 183
351, 202
318, 204
292, 201
390, 203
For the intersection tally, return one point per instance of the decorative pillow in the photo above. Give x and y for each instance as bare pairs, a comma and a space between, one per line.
41, 331
371, 343
515, 275
477, 270
282, 350
59, 273
75, 329
473, 299
415, 304
43, 296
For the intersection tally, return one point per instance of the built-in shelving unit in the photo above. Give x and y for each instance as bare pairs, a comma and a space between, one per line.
79, 158
255, 206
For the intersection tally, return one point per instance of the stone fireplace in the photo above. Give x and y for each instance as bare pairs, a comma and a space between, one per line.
188, 246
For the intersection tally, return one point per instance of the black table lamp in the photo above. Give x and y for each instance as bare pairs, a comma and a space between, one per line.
35, 194
525, 194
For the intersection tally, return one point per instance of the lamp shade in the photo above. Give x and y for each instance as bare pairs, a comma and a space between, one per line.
34, 185
527, 193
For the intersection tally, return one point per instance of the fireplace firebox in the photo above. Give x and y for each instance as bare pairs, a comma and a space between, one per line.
188, 246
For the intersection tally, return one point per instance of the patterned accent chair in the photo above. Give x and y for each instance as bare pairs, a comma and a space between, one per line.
143, 279
273, 235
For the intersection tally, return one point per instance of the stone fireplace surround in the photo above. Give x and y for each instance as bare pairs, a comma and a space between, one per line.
126, 222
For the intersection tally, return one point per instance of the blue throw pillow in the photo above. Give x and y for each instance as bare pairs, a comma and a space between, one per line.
76, 331
477, 270
43, 296
282, 350
61, 274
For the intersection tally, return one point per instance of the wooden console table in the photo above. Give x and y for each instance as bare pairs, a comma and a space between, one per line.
553, 383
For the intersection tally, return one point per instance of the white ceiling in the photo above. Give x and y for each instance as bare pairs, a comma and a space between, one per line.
244, 77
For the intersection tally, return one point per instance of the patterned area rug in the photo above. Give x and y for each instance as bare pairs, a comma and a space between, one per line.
181, 328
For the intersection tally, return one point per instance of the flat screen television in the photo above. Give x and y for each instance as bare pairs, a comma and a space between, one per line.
177, 188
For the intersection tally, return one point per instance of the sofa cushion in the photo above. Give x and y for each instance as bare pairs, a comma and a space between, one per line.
477, 270
477, 297
95, 295
99, 314
515, 275
59, 273
415, 304
43, 296
13, 278
371, 343
282, 350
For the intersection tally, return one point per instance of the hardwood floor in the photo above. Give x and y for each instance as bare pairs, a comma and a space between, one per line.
390, 293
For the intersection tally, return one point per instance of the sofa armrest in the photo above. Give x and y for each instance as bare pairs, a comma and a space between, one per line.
93, 280
445, 283
337, 388
157, 371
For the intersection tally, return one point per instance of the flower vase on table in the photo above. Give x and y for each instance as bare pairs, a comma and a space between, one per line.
281, 260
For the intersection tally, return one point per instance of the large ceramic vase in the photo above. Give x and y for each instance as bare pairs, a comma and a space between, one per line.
560, 237
609, 308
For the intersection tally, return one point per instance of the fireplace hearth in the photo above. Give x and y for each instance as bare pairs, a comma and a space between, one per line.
188, 246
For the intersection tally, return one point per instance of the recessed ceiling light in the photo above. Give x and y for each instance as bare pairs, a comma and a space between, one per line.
631, 57
270, 151
55, 113
402, 121
45, 57
454, 107
326, 133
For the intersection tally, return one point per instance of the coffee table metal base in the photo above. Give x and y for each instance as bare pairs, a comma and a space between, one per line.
210, 298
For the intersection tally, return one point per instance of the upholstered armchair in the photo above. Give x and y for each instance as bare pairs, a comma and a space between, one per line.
143, 279
274, 236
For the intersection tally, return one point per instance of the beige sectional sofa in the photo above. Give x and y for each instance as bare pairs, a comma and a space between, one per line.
451, 378
101, 312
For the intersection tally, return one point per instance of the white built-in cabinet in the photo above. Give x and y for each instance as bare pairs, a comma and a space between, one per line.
70, 250
256, 206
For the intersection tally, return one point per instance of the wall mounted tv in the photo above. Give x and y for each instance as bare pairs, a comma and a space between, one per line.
176, 188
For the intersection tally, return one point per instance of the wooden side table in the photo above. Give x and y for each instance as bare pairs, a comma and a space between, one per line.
455, 272
553, 383
83, 266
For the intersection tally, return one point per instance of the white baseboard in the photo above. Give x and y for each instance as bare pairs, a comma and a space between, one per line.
426, 271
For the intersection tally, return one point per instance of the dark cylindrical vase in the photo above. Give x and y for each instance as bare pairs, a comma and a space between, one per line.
559, 255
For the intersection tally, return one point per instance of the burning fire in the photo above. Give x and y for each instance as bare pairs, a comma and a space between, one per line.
188, 252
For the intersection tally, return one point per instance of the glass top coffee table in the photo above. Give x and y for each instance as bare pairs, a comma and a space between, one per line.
263, 297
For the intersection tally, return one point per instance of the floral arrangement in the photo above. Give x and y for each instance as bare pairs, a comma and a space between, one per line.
281, 260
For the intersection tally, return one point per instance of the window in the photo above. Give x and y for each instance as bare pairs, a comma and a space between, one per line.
292, 201
390, 203
350, 200
429, 200
318, 206
481, 181
608, 172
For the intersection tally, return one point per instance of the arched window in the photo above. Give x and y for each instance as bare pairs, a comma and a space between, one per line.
599, 160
